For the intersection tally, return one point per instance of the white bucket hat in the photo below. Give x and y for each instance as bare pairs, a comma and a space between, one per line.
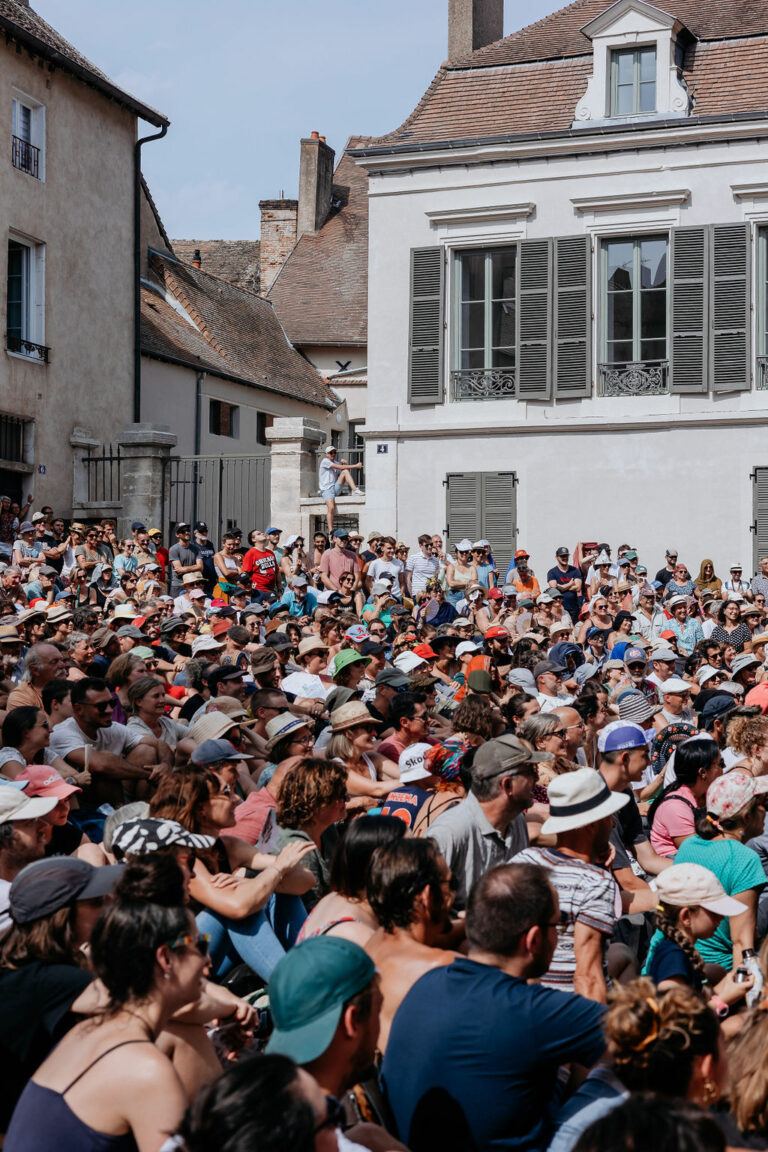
580, 798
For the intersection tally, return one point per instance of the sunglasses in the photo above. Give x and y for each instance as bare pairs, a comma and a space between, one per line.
200, 942
561, 732
105, 706
334, 1115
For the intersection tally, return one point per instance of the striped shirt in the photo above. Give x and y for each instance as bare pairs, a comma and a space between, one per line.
587, 894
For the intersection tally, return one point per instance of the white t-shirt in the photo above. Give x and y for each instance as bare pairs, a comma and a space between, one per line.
422, 568
305, 685
328, 474
549, 703
393, 568
117, 738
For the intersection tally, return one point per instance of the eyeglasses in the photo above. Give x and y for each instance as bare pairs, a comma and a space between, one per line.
334, 1115
200, 941
560, 732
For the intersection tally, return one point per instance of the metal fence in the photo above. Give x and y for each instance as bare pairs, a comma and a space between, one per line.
102, 471
223, 491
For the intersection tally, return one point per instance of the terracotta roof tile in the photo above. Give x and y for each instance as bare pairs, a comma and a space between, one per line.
22, 23
234, 260
321, 292
235, 333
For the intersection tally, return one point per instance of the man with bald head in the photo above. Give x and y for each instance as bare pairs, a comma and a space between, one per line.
575, 730
42, 663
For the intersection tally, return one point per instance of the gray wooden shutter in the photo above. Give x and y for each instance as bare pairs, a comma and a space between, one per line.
425, 368
689, 282
730, 359
499, 516
464, 497
534, 324
760, 513
572, 326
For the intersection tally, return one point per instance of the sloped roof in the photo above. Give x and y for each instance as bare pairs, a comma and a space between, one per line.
531, 82
234, 260
235, 333
321, 292
23, 25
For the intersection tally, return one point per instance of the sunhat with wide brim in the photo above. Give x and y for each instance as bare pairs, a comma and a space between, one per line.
283, 725
351, 715
580, 798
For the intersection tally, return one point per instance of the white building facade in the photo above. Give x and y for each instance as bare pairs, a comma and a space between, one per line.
568, 291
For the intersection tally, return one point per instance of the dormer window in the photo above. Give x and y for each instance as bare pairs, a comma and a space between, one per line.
633, 81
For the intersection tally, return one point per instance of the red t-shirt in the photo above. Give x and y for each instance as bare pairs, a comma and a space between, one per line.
263, 569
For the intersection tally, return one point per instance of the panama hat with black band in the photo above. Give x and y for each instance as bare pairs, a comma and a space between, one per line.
580, 798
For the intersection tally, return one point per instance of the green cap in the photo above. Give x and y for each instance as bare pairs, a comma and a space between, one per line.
307, 991
346, 657
144, 653
480, 681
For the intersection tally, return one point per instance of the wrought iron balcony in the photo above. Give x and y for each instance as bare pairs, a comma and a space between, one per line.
762, 374
27, 348
642, 378
484, 384
25, 156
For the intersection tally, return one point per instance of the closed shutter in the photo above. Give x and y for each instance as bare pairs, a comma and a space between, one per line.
425, 368
464, 512
760, 513
534, 296
483, 505
730, 360
572, 329
688, 367
499, 516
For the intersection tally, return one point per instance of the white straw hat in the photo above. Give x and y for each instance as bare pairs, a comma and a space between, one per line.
580, 798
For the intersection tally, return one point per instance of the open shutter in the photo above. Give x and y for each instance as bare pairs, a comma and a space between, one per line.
464, 495
730, 359
425, 368
689, 268
499, 516
760, 513
572, 328
534, 296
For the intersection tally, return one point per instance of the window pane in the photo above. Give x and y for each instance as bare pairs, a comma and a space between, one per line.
619, 264
653, 262
647, 64
503, 358
619, 352
653, 314
472, 360
472, 325
503, 274
647, 102
619, 319
472, 275
625, 64
624, 101
503, 323
653, 349
18, 290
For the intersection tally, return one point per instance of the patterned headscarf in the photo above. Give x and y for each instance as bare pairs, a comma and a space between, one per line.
667, 741
444, 760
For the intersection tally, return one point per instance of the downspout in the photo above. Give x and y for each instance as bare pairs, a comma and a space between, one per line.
137, 271
200, 377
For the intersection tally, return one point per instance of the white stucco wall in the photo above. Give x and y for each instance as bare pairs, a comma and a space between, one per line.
653, 469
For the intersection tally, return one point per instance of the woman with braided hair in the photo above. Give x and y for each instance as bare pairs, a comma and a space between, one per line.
666, 1043
692, 903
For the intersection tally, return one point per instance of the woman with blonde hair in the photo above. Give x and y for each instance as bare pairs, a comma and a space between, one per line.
352, 743
748, 736
546, 733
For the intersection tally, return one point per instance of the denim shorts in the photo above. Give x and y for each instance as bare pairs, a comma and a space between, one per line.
335, 490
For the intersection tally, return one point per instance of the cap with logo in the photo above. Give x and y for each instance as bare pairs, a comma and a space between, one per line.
412, 763
623, 736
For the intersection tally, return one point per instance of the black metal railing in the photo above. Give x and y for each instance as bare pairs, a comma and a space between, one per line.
352, 456
27, 348
25, 156
102, 470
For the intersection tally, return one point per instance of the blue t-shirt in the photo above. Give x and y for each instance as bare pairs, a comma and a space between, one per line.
570, 599
737, 868
404, 802
472, 1058
667, 961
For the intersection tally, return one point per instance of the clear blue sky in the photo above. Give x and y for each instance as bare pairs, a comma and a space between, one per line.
243, 80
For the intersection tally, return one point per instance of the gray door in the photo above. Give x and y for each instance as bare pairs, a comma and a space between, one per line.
224, 491
760, 515
483, 505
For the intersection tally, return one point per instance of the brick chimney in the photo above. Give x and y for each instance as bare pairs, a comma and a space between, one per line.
197, 261
472, 24
315, 180
278, 236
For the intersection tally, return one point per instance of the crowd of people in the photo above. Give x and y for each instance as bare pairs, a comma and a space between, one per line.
364, 843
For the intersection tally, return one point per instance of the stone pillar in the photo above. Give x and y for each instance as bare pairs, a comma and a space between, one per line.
144, 449
294, 443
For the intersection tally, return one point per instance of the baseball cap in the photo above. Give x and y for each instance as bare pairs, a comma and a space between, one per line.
504, 754
201, 526
45, 886
632, 655
425, 651
467, 646
622, 736
211, 751
15, 805
495, 594
407, 661
392, 678
718, 705
480, 681
308, 990
224, 672
496, 632
412, 764
691, 885
341, 534
357, 633
272, 529
379, 588
561, 551
141, 836
509, 590
547, 666
521, 554
137, 526
522, 678
45, 781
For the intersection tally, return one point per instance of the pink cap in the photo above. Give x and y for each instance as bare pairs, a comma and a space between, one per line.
45, 781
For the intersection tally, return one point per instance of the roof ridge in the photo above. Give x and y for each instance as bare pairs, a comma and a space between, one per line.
215, 275
183, 299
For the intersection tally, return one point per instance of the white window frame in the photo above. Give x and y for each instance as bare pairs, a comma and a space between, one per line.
36, 127
456, 302
634, 235
35, 320
633, 50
